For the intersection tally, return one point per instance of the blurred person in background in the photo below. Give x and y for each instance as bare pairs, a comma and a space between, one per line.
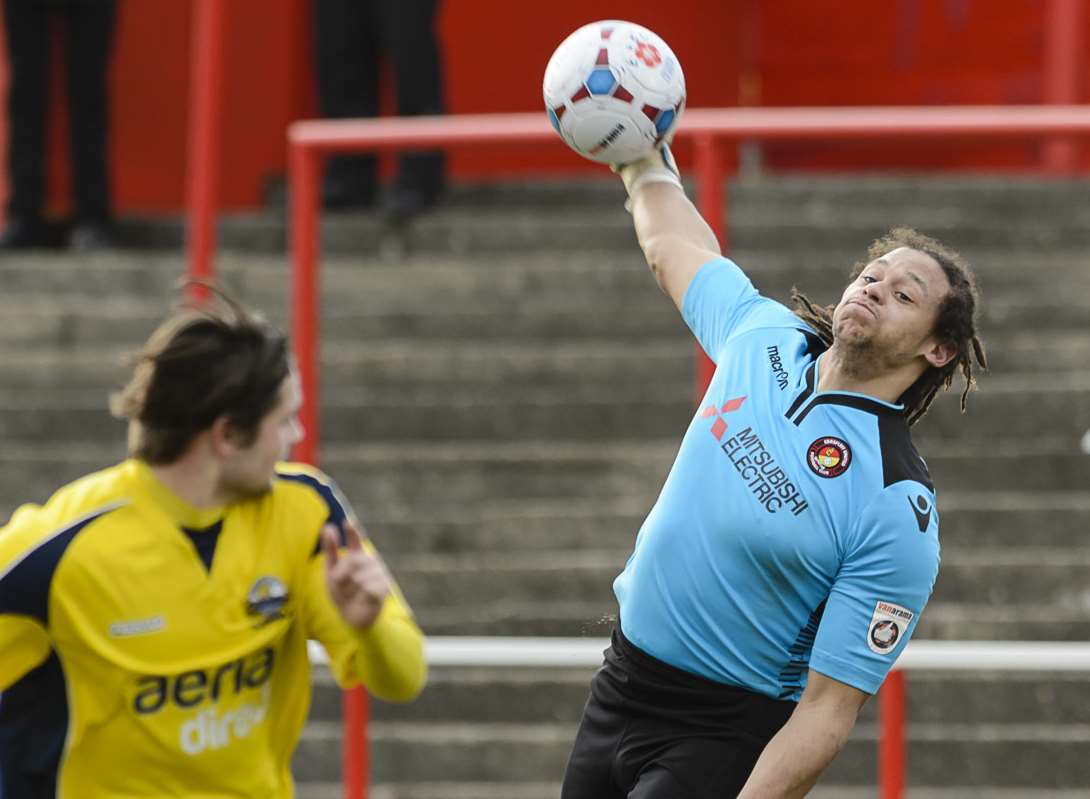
154, 616
794, 543
351, 39
88, 32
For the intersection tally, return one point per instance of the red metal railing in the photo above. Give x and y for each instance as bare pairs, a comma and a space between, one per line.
205, 139
1061, 72
310, 142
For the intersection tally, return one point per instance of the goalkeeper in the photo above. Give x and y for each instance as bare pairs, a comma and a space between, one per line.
154, 616
794, 543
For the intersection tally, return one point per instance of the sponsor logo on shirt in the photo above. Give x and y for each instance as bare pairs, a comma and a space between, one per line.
195, 688
211, 729
774, 360
719, 426
126, 629
921, 509
829, 456
767, 481
266, 599
213, 726
887, 624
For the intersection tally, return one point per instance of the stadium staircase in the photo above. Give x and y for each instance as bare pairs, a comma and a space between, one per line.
503, 392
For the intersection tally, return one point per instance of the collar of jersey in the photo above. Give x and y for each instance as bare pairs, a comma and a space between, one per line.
810, 397
180, 511
893, 406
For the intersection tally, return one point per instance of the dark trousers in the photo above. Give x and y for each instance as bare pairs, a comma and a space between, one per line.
351, 37
88, 36
651, 731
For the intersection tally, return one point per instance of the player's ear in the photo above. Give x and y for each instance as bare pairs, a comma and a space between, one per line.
940, 353
223, 437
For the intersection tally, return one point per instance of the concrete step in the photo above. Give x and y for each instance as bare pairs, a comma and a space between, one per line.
969, 212
447, 362
1006, 409
558, 321
942, 620
40, 281
970, 521
999, 579
1036, 756
517, 695
397, 478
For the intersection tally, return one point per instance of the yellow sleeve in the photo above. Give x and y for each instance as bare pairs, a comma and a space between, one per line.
387, 658
23, 646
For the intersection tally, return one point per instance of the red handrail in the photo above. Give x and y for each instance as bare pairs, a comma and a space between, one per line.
1061, 71
205, 139
310, 141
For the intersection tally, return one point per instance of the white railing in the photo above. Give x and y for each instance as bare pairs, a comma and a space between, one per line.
1041, 656
587, 652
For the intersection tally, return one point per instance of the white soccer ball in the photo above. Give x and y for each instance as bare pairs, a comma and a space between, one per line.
613, 90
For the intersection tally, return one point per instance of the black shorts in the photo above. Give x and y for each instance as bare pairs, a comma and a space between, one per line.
652, 731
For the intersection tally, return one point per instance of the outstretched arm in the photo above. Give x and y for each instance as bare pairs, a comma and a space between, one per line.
802, 749
674, 237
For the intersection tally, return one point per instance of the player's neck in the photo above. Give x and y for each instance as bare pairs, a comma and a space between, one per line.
193, 480
842, 370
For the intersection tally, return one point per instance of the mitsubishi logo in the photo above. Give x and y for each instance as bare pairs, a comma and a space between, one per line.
719, 426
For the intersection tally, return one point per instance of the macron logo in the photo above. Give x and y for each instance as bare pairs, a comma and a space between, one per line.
719, 426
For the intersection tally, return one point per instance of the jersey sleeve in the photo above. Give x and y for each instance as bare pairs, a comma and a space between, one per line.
387, 658
881, 589
721, 302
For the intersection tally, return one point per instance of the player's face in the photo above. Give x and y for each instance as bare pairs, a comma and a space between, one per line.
250, 470
891, 308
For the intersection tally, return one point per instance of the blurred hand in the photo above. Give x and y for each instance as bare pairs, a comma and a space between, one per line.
358, 582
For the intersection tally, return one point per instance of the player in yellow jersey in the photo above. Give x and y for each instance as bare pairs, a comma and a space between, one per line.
154, 616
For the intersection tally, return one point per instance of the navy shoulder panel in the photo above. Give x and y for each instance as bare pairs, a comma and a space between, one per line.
900, 460
24, 587
338, 512
814, 345
33, 727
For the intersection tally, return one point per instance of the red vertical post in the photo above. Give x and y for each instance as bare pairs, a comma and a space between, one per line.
304, 166
355, 758
891, 741
205, 105
712, 205
1061, 72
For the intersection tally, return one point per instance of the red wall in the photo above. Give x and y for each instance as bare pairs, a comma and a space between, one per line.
907, 52
788, 52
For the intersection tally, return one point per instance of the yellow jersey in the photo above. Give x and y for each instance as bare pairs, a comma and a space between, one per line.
177, 636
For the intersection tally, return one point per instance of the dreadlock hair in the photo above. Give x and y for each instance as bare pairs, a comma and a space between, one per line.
955, 323
215, 359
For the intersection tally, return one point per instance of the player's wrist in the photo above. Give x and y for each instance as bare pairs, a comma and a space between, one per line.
657, 167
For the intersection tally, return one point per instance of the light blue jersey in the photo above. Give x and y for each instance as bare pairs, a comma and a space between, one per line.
797, 529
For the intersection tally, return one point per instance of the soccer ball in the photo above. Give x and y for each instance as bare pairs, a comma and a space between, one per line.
613, 90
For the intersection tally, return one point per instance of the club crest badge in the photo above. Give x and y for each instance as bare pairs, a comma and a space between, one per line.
266, 599
829, 456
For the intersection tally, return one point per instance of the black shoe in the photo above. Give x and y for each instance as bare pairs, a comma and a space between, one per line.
20, 234
92, 237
